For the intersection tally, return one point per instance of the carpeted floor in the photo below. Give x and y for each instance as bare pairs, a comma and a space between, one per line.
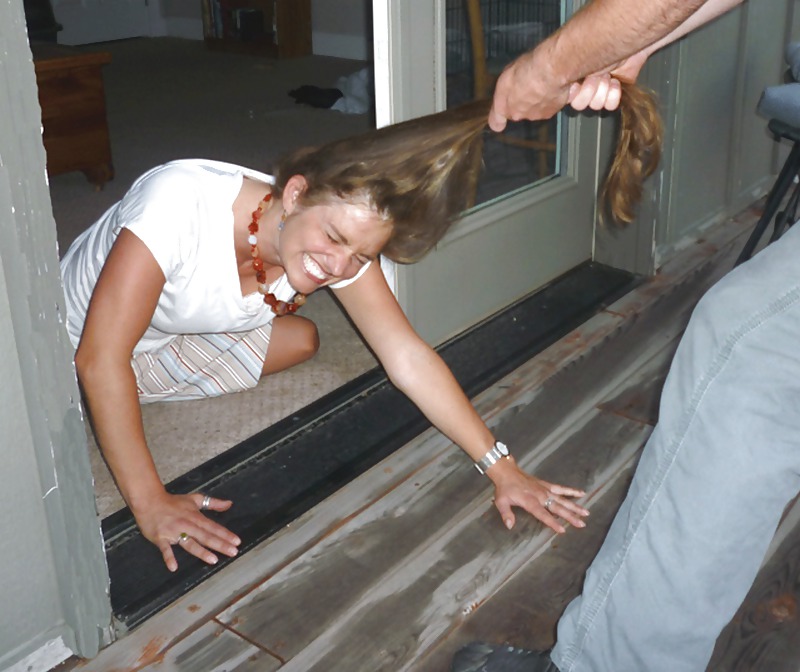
169, 98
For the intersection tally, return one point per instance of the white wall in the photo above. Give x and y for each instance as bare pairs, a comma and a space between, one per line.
342, 28
176, 18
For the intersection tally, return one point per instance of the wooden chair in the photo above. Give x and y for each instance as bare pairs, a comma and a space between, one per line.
484, 77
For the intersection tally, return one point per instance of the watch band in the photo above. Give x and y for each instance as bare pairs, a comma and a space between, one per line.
496, 453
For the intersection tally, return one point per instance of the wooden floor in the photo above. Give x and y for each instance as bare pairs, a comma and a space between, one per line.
411, 561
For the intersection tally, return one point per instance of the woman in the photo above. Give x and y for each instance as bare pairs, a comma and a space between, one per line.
189, 287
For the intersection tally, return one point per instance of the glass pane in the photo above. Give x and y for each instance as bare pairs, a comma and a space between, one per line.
482, 37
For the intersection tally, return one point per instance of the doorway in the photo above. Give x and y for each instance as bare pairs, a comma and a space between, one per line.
546, 210
170, 98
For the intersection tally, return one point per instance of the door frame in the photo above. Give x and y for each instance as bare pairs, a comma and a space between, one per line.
50, 396
60, 544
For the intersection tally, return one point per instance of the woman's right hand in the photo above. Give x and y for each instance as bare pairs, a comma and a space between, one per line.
178, 519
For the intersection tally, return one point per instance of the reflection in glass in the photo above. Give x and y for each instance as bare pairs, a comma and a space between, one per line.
482, 37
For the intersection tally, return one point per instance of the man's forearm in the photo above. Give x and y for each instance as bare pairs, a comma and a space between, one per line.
709, 11
603, 37
605, 32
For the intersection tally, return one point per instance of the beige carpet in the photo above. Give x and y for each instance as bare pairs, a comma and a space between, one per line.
169, 98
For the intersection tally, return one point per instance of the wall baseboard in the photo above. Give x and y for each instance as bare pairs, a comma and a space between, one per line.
43, 659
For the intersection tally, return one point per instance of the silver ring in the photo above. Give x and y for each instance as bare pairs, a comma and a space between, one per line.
206, 502
183, 538
548, 503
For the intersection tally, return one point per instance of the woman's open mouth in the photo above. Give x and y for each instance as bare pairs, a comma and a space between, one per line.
314, 270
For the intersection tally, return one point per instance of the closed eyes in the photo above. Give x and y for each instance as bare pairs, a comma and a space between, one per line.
360, 259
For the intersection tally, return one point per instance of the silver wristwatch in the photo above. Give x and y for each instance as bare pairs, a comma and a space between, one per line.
496, 453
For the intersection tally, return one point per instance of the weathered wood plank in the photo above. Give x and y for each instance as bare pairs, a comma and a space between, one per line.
355, 563
155, 635
639, 402
409, 570
149, 642
214, 648
436, 449
525, 611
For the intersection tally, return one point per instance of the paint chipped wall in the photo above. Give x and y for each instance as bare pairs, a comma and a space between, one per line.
52, 571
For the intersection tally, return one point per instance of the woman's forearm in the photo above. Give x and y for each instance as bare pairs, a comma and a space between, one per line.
427, 381
113, 402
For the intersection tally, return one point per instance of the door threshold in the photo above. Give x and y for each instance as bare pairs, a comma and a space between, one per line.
283, 471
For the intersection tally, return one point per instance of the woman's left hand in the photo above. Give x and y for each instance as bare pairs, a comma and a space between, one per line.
549, 502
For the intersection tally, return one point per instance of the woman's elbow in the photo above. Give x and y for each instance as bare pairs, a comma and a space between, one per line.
405, 368
91, 365
83, 363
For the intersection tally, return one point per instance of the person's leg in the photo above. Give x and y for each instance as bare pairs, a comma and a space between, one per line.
710, 488
708, 493
294, 339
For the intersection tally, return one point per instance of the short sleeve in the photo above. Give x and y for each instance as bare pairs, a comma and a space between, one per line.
350, 281
163, 212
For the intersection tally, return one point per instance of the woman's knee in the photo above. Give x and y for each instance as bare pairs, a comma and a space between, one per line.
308, 338
294, 340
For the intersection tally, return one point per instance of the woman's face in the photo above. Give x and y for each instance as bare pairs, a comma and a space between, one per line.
323, 244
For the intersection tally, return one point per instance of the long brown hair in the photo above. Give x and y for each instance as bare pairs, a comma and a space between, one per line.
636, 157
422, 174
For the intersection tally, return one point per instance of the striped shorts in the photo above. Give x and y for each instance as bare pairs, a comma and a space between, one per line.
195, 366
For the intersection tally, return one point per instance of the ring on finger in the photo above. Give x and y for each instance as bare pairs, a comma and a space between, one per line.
548, 503
206, 502
183, 538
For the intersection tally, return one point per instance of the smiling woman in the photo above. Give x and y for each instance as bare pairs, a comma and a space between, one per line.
187, 287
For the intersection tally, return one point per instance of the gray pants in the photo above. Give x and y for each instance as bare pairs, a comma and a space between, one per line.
713, 481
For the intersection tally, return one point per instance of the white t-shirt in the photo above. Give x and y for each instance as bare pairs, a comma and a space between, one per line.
182, 211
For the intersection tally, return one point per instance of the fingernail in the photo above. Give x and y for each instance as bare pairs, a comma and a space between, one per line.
509, 523
214, 560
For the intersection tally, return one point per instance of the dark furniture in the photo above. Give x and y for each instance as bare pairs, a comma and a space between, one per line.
72, 99
275, 28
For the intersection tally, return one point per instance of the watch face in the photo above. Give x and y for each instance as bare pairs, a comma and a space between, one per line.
501, 448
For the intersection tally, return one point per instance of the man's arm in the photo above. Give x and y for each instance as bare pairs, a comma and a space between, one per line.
708, 11
596, 41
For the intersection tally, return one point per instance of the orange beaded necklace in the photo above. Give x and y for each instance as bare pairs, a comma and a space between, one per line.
278, 307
